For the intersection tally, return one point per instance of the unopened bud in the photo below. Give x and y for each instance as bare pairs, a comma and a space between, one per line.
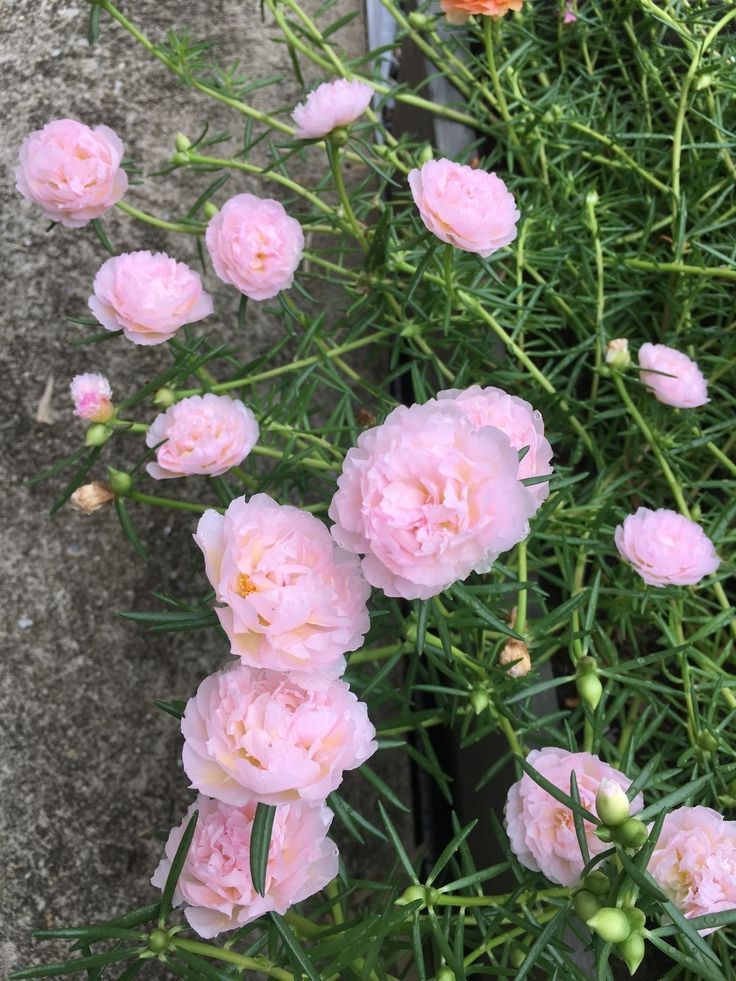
704, 82
516, 654
586, 664
517, 956
97, 435
479, 700
617, 353
164, 398
339, 136
591, 199
413, 894
182, 142
91, 497
637, 919
611, 802
158, 941
611, 924
632, 951
604, 834
597, 883
420, 22
707, 741
632, 833
426, 155
590, 690
210, 210
120, 482
445, 974
585, 904
180, 158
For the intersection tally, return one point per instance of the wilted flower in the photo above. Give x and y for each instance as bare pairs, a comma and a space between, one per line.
617, 353
516, 653
666, 548
681, 383
91, 394
91, 497
329, 106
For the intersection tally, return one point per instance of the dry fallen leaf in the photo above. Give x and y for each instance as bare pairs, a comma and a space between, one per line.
43, 412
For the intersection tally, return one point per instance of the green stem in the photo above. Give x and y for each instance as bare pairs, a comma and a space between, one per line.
309, 461
616, 149
333, 153
419, 342
522, 595
448, 268
169, 226
257, 964
167, 502
717, 272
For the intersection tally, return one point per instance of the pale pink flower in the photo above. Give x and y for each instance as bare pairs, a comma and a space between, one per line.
91, 394
470, 209
255, 246
251, 733
203, 434
519, 420
458, 11
694, 861
148, 295
666, 548
569, 16
682, 383
330, 105
541, 829
215, 884
71, 171
294, 601
428, 498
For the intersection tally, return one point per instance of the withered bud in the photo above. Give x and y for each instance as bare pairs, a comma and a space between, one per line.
516, 653
91, 497
365, 418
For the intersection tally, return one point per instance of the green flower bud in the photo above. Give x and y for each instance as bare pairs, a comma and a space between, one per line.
590, 690
164, 398
707, 741
479, 700
604, 834
412, 895
591, 199
339, 137
611, 924
210, 210
180, 158
597, 883
704, 82
632, 833
611, 802
97, 435
732, 788
431, 896
517, 956
586, 664
420, 22
426, 155
158, 941
119, 481
182, 142
637, 919
585, 904
445, 974
632, 951
617, 353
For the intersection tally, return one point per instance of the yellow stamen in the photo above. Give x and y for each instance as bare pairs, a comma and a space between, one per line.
245, 587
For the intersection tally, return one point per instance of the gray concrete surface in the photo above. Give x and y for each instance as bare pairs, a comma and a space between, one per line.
88, 767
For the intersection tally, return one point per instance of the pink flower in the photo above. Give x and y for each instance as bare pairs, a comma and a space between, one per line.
458, 11
665, 548
694, 861
330, 105
215, 881
71, 171
148, 295
470, 209
294, 601
428, 499
521, 423
203, 434
250, 733
682, 383
540, 829
91, 394
255, 246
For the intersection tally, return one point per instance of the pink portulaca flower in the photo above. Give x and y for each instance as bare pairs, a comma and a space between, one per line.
458, 11
71, 171
666, 548
518, 420
91, 394
293, 601
681, 383
148, 295
329, 106
542, 830
250, 733
255, 246
215, 884
428, 499
470, 209
694, 861
203, 434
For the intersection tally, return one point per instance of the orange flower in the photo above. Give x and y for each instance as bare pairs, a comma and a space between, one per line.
458, 11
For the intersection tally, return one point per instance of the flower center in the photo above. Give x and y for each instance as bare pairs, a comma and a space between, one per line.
245, 587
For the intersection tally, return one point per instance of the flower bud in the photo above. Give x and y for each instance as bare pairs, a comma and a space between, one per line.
339, 136
517, 956
516, 653
182, 142
479, 700
604, 834
631, 951
426, 155
91, 497
591, 199
632, 833
611, 924
412, 895
585, 904
637, 919
590, 690
611, 802
704, 82
164, 398
159, 940
97, 435
617, 353
120, 482
597, 883
420, 22
180, 158
210, 210
707, 741
445, 974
